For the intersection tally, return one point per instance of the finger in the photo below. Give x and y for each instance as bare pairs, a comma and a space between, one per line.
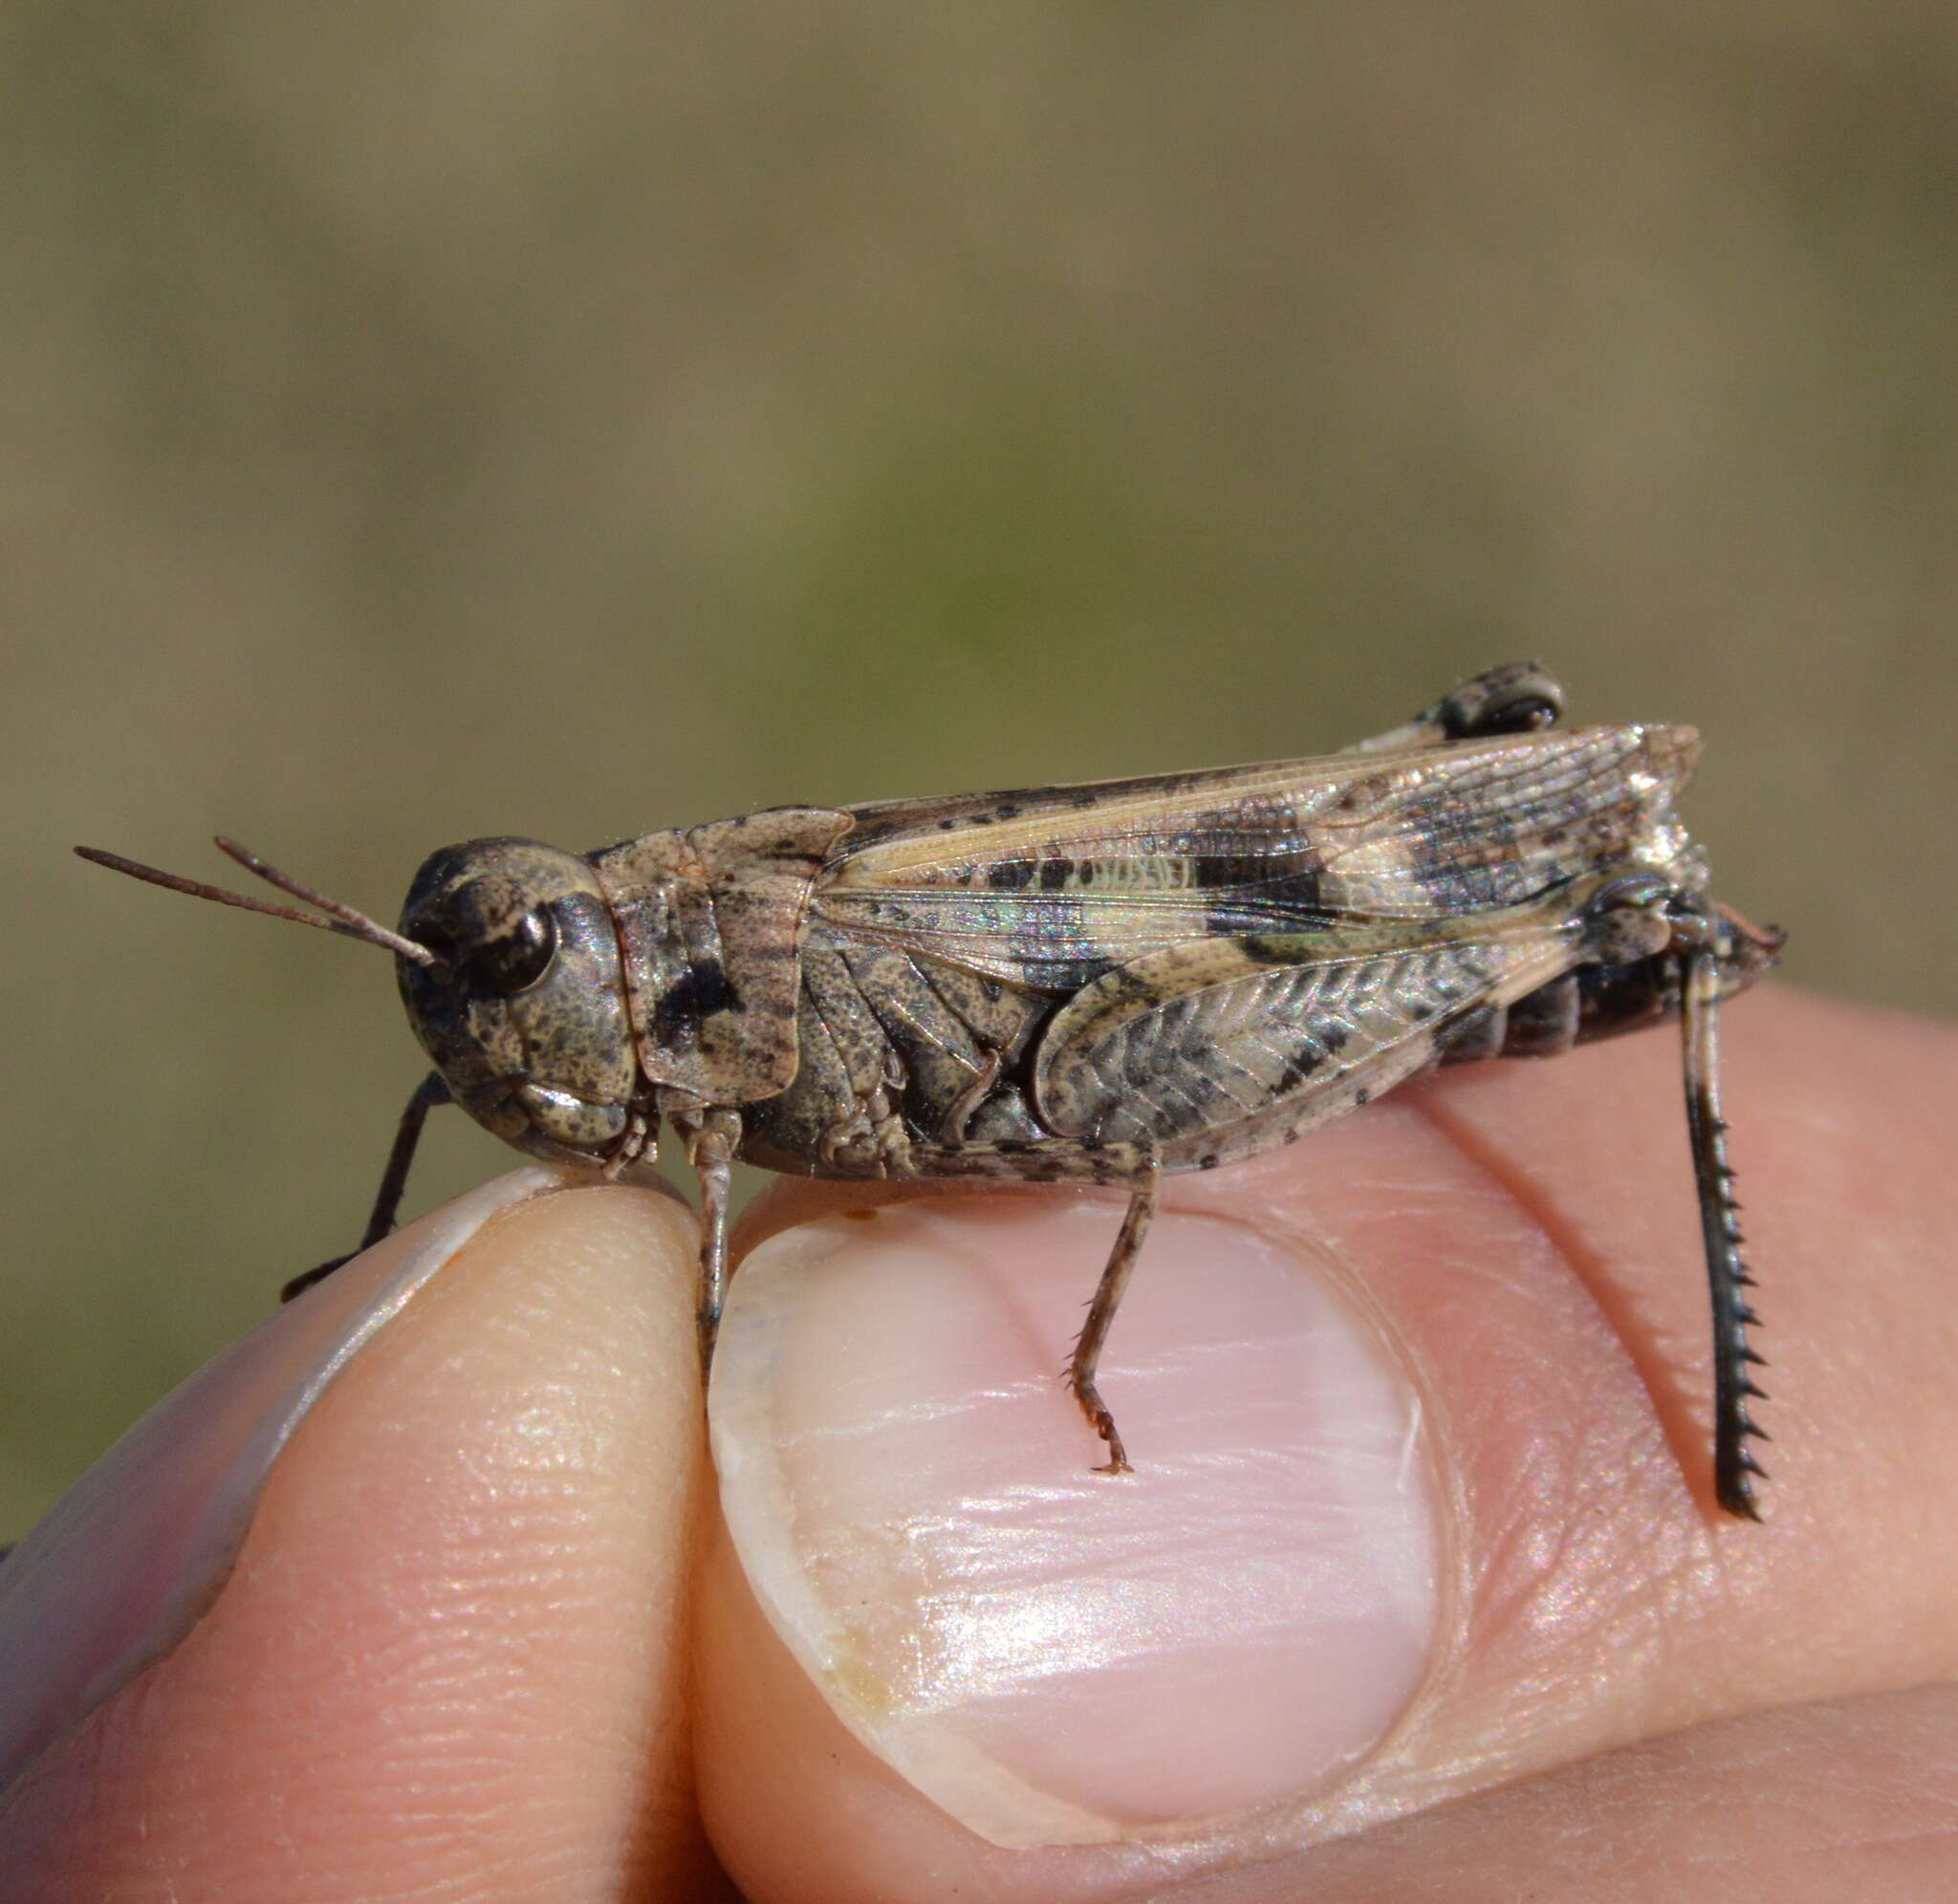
448, 1656
1809, 1805
934, 1597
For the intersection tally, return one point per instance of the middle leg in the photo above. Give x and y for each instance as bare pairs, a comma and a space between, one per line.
1070, 1160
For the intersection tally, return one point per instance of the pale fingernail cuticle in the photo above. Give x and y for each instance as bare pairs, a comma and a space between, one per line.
1051, 1654
127, 1562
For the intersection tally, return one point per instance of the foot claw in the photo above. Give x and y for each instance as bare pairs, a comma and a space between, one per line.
299, 1285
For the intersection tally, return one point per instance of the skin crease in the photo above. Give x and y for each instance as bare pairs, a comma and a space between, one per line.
483, 1697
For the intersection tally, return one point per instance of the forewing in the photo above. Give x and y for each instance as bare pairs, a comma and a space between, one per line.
1198, 1050
1054, 886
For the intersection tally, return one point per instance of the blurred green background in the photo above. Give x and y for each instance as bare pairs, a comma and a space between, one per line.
424, 422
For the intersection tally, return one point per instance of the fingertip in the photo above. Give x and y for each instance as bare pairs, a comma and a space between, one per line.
452, 1650
1052, 1653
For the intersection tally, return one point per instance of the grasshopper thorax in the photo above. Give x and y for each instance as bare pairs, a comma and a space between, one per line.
524, 1010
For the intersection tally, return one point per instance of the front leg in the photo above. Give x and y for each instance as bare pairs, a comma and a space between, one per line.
429, 1095
710, 1133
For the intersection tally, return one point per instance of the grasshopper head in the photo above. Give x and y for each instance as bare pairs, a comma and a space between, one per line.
524, 1010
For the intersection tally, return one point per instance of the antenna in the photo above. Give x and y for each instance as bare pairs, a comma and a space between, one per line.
340, 917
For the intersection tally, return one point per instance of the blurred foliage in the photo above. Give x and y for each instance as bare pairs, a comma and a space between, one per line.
428, 421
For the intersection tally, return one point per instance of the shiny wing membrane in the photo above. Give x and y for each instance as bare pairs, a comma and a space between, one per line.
1054, 886
1228, 1036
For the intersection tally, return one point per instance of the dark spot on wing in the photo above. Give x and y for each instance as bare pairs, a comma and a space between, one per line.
1306, 1060
1261, 949
1253, 892
1214, 870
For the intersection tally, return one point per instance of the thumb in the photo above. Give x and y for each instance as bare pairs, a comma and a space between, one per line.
449, 1652
1420, 1502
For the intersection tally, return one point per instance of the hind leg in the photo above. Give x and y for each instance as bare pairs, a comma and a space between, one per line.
1518, 698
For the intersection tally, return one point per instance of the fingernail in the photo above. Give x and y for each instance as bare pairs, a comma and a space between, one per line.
1051, 1654
131, 1556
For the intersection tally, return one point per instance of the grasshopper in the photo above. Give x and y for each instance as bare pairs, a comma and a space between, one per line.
1084, 985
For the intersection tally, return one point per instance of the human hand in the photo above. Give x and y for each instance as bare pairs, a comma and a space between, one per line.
485, 1637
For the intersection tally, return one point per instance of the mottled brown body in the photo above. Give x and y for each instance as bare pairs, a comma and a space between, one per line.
1090, 983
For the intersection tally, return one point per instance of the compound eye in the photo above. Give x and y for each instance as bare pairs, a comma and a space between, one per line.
514, 960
